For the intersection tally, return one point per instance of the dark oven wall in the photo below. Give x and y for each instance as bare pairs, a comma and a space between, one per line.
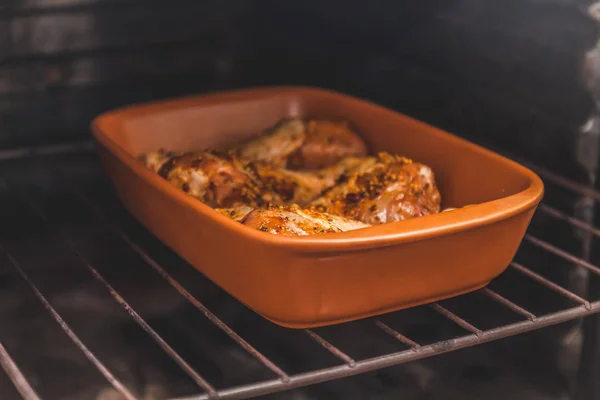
505, 72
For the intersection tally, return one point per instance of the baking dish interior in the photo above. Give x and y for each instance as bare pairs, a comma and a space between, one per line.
466, 174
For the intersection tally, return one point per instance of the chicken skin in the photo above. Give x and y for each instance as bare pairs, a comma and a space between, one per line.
384, 189
216, 179
291, 221
221, 180
301, 187
296, 144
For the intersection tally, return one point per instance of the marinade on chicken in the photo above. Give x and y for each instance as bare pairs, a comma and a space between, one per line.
222, 180
297, 144
386, 188
216, 179
291, 220
301, 178
301, 187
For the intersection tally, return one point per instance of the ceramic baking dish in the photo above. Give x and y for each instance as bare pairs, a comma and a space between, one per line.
323, 279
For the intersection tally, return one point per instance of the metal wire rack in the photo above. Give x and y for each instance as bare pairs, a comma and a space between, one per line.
527, 319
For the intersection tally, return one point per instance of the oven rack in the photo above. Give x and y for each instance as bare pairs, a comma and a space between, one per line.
347, 366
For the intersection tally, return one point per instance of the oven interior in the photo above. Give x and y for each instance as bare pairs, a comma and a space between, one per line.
92, 306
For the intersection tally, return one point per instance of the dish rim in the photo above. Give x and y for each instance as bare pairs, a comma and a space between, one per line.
376, 236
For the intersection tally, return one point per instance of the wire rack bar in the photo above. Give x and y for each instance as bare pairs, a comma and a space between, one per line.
200, 381
456, 319
23, 152
65, 327
414, 346
562, 254
392, 359
331, 348
193, 300
16, 376
562, 181
505, 302
557, 288
573, 221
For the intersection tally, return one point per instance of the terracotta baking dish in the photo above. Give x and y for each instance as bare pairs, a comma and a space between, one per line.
323, 279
